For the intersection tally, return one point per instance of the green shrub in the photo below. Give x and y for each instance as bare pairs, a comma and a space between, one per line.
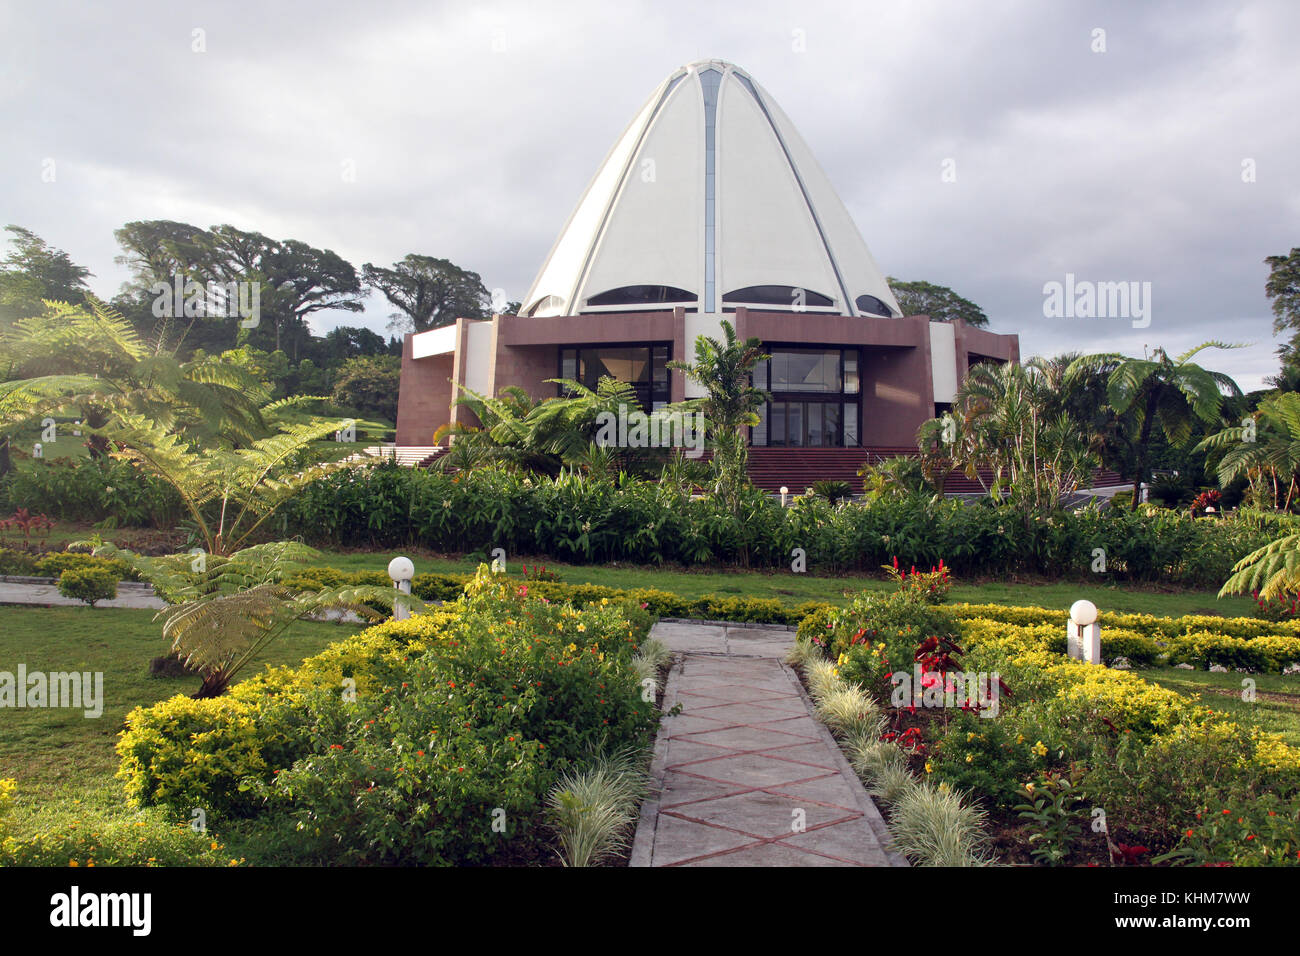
1206, 650
582, 519
1152, 790
109, 491
16, 562
54, 563
399, 744
88, 584
1244, 831
988, 757
145, 839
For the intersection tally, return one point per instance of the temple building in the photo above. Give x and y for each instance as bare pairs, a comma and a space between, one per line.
710, 206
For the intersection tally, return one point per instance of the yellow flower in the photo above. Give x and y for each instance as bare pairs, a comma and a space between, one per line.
582, 627
572, 648
1040, 748
1029, 787
928, 768
1020, 738
970, 757
970, 737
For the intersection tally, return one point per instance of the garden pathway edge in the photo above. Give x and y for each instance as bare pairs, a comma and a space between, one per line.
746, 775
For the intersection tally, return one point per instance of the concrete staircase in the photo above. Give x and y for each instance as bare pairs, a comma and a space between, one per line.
797, 469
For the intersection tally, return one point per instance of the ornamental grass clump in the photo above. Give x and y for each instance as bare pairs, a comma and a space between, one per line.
848, 710
821, 676
936, 827
592, 810
872, 758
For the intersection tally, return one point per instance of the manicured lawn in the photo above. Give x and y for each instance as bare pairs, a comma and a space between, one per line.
1277, 698
790, 588
785, 586
63, 759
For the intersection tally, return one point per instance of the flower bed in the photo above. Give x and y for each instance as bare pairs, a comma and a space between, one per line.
432, 740
1073, 763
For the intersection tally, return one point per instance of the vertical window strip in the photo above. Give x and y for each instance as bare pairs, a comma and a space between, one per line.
710, 81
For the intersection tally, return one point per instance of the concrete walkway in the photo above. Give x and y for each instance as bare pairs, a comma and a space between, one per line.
745, 775
129, 594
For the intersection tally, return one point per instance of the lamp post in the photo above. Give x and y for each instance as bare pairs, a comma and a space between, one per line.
1083, 633
784, 491
401, 570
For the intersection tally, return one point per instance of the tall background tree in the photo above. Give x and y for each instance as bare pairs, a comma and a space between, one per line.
32, 272
724, 369
428, 292
940, 303
1283, 288
1172, 397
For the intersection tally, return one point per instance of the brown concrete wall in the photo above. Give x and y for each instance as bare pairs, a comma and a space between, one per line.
898, 391
424, 396
526, 367
897, 394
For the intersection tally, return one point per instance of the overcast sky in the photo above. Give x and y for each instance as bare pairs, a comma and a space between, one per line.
474, 127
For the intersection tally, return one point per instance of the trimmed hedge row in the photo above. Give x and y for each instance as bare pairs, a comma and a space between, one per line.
52, 564
1202, 650
1159, 628
1142, 639
579, 519
448, 587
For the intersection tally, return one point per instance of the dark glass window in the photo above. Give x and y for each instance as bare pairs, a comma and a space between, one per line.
641, 295
814, 398
782, 295
643, 366
872, 306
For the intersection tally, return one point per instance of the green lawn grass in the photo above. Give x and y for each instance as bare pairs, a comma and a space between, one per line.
1277, 699
785, 586
791, 588
62, 759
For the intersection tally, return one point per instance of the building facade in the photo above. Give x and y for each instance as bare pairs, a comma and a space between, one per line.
710, 206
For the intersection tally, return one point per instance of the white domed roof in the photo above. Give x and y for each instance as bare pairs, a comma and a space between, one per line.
710, 199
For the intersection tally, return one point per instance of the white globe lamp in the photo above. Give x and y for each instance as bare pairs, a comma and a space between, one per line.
1083, 613
401, 570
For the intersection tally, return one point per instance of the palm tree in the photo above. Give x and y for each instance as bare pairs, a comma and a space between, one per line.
536, 436
227, 602
1008, 419
730, 404
1174, 395
1267, 450
95, 364
224, 610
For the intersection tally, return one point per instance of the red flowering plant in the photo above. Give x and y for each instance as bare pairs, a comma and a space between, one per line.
932, 586
880, 632
539, 572
1205, 500
1283, 606
1260, 830
29, 526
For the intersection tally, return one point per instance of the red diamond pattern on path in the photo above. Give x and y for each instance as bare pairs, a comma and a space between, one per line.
748, 777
